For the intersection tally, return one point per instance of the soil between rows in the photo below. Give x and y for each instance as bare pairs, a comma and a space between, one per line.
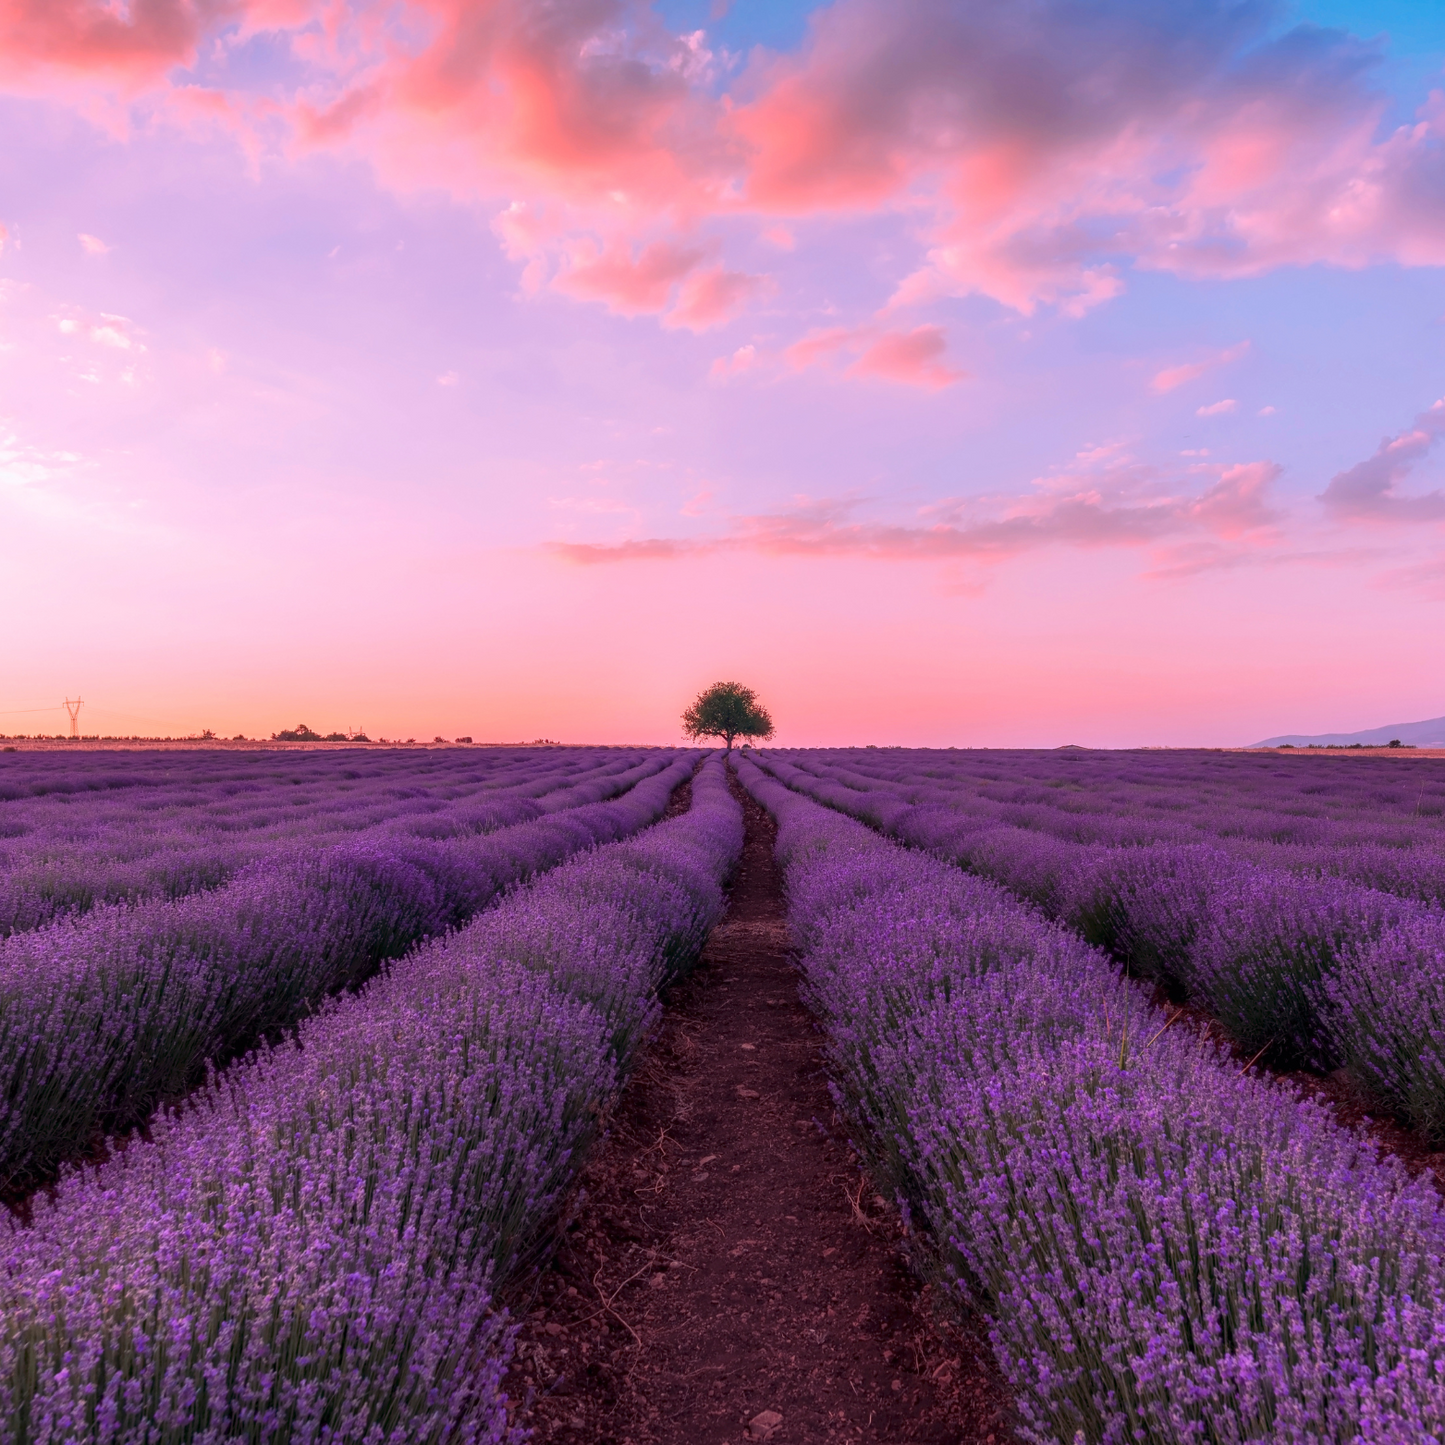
724, 1260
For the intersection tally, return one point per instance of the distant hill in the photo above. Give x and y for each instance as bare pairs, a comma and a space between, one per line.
1428, 734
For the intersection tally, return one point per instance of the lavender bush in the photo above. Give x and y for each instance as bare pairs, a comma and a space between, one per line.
1385, 1016
1272, 941
308, 1250
1146, 906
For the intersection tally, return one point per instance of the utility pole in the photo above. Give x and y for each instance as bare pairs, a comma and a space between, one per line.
73, 708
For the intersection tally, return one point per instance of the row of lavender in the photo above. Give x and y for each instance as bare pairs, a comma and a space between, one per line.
1168, 1250
152, 831
89, 771
1376, 821
1372, 820
1314, 972
239, 794
309, 1251
1176, 796
104, 1016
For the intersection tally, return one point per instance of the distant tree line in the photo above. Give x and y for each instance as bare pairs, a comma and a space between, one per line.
303, 734
1346, 747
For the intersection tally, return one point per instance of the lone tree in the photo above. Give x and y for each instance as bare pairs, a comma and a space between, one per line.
727, 710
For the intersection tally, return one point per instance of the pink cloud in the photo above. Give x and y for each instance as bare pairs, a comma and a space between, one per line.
627, 282
1218, 408
650, 549
1114, 509
115, 332
597, 105
745, 358
92, 245
1174, 376
1367, 490
135, 45
913, 357
1040, 148
1235, 505
1049, 139
527, 231
318, 126
592, 102
816, 346
709, 298
660, 277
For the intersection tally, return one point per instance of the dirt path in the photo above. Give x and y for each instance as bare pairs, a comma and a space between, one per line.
726, 1273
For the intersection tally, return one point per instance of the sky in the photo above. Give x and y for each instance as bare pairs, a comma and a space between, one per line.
954, 374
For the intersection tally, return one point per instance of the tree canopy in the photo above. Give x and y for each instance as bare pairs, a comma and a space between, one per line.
727, 710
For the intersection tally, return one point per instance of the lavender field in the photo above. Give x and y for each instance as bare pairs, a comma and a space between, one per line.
307, 1246
366, 1011
1169, 1245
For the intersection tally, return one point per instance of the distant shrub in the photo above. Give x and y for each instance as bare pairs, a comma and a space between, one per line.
299, 734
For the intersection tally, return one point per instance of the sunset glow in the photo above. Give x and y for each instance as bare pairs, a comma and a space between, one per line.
951, 374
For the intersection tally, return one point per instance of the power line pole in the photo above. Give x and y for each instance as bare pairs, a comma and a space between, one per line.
73, 708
